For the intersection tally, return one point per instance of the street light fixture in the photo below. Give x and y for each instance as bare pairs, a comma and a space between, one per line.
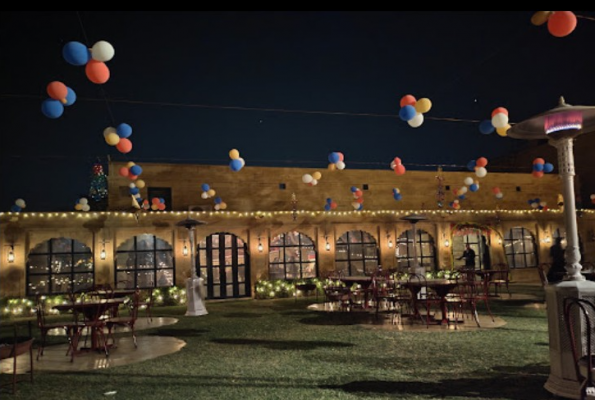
194, 285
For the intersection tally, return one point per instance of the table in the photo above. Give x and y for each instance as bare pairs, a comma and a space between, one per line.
362, 280
442, 287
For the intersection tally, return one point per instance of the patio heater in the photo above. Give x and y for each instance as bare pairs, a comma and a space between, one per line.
415, 268
560, 126
195, 290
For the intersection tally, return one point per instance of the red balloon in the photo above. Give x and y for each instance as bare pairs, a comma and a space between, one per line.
399, 169
496, 190
124, 145
561, 23
537, 174
333, 205
358, 193
407, 100
124, 171
360, 200
499, 110
481, 162
341, 156
97, 71
132, 177
155, 200
538, 160
57, 91
161, 206
397, 161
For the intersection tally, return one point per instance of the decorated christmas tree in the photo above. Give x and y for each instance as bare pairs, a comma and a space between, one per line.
98, 189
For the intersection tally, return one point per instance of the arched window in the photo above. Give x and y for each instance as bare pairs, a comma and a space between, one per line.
426, 250
292, 256
144, 261
356, 253
59, 265
520, 249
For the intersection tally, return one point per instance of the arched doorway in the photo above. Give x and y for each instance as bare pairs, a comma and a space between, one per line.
224, 264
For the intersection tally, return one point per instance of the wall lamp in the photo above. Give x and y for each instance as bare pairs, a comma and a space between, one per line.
327, 246
103, 254
10, 256
446, 243
260, 248
390, 241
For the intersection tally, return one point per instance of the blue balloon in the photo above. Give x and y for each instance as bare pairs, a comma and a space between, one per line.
162, 200
124, 130
548, 167
471, 165
205, 187
462, 197
136, 170
52, 108
327, 207
538, 167
15, 208
218, 200
407, 113
474, 187
353, 189
76, 53
397, 196
235, 165
70, 97
486, 127
334, 157
361, 207
329, 200
134, 190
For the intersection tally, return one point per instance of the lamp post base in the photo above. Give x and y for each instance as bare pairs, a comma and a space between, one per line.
194, 297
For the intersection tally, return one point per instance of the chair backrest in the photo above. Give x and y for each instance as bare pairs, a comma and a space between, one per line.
40, 310
578, 314
501, 272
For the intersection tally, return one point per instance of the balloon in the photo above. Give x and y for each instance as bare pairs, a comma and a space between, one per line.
416, 121
327, 207
468, 181
218, 200
133, 190
540, 17
548, 167
357, 194
154, 207
499, 195
499, 110
360, 200
500, 120
102, 51
205, 187
70, 97
217, 207
124, 171
223, 205
495, 190
204, 195
52, 108
397, 196
234, 154
486, 127
353, 189
481, 172
235, 164
561, 23
161, 206
57, 91
539, 160
537, 174
136, 170
76, 53
397, 161
503, 131
108, 130
211, 192
130, 164
481, 162
474, 187
140, 184
334, 157
124, 130
97, 71
471, 165
155, 200
314, 182
20, 203
340, 165
112, 139
333, 205
407, 112
331, 167
242, 162
86, 207
341, 156
463, 189
317, 175
407, 100
132, 177
423, 105
124, 145
307, 178
399, 169
78, 206
355, 205
538, 167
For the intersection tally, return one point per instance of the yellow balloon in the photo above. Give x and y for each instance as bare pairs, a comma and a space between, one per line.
112, 138
423, 105
332, 167
540, 17
108, 130
130, 164
140, 184
154, 207
211, 192
222, 205
234, 154
317, 175
78, 206
503, 131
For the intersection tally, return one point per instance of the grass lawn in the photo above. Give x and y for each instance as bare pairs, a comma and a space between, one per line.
277, 349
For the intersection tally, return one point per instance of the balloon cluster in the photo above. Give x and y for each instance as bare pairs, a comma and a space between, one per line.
537, 204
397, 194
460, 192
497, 192
132, 171
540, 167
312, 180
479, 166
498, 123
396, 166
358, 195
455, 204
18, 205
219, 204
82, 204
330, 204
60, 96
236, 163
413, 110
336, 161
207, 192
118, 137
157, 203
94, 59
559, 23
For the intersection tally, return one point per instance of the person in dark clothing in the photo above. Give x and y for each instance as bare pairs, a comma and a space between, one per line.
487, 260
557, 270
469, 256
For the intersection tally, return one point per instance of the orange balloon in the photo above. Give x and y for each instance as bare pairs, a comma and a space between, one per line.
561, 23
537, 174
124, 145
97, 71
399, 169
124, 171
499, 110
155, 200
57, 90
538, 160
481, 162
161, 206
408, 100
132, 177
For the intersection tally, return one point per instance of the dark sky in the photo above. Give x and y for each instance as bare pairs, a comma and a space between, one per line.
194, 85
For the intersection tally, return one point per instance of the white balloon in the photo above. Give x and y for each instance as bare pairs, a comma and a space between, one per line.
20, 203
307, 178
204, 195
83, 201
217, 207
314, 182
499, 195
463, 190
500, 120
392, 165
416, 121
243, 162
340, 165
481, 172
468, 181
102, 51
132, 185
355, 205
86, 207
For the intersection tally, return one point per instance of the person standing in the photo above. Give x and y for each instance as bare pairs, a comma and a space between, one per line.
469, 256
558, 268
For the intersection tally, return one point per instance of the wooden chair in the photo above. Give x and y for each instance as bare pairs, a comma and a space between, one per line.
127, 321
147, 303
72, 328
578, 319
13, 347
500, 276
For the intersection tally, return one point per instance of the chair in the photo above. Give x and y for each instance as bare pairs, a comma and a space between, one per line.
147, 303
499, 276
96, 313
422, 294
13, 347
542, 271
127, 321
72, 328
578, 318
395, 296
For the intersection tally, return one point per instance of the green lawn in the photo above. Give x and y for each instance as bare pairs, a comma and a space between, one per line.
277, 349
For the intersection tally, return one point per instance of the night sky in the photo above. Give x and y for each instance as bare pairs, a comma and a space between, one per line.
284, 88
